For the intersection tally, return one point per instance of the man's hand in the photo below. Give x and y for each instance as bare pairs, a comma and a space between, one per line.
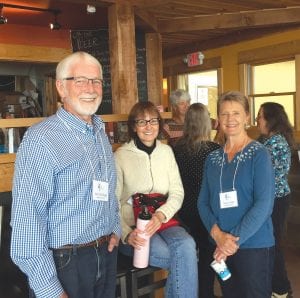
113, 242
63, 295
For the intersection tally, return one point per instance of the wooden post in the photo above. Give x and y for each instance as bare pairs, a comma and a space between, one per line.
154, 67
122, 57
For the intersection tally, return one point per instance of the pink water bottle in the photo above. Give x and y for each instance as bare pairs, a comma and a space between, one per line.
141, 256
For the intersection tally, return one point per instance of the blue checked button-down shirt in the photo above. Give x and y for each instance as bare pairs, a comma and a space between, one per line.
52, 195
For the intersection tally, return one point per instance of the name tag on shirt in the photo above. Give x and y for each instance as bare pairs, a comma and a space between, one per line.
100, 190
228, 199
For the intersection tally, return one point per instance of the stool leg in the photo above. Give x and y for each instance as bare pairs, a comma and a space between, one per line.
134, 285
123, 288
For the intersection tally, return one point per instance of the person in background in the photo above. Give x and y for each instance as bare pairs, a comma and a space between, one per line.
65, 216
277, 136
190, 152
236, 201
147, 166
180, 101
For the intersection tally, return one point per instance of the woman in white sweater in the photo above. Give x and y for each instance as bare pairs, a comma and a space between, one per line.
145, 165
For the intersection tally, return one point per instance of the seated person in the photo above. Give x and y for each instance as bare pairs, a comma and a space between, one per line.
145, 165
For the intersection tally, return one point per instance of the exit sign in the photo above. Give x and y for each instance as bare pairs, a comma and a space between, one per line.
194, 59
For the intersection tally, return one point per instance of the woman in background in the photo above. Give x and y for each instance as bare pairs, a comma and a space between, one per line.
145, 165
190, 152
236, 201
277, 136
180, 101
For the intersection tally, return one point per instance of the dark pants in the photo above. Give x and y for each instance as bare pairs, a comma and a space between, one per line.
251, 274
206, 275
88, 272
280, 282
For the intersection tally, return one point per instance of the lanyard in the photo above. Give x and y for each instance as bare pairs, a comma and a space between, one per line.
235, 171
85, 149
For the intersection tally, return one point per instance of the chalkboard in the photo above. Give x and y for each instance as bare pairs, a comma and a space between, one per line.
141, 66
95, 42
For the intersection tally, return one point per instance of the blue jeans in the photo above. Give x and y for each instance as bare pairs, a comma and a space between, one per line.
174, 250
88, 272
251, 274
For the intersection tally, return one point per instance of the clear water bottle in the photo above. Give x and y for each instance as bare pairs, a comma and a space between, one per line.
141, 256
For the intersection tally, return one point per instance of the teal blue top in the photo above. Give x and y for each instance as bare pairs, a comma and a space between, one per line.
254, 183
281, 159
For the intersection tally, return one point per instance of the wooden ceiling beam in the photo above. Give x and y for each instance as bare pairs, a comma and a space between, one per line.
240, 20
95, 3
148, 18
146, 4
227, 39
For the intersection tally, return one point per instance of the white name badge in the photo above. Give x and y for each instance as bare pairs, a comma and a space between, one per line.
228, 199
100, 190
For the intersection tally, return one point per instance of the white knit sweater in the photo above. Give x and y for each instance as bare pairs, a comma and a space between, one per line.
139, 172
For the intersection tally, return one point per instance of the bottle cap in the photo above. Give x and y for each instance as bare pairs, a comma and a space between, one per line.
145, 214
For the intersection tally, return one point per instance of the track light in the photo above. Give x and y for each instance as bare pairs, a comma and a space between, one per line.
3, 20
55, 25
90, 9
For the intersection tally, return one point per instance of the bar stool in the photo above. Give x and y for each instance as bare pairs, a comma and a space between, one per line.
142, 281
139, 281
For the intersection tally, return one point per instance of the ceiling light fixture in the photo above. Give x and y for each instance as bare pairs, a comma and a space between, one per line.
3, 20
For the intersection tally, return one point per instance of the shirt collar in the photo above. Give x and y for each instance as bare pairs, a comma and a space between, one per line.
76, 123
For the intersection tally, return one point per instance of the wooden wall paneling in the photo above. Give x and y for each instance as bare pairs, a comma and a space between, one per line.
154, 67
122, 57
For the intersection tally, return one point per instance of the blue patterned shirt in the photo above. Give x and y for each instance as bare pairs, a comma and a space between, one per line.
281, 159
56, 164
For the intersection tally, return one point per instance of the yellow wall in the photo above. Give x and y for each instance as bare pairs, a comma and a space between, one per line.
229, 54
231, 58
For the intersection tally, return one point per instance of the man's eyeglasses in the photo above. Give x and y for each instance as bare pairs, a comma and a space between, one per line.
143, 122
83, 81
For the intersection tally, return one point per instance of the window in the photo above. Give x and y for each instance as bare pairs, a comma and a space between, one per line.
274, 82
203, 87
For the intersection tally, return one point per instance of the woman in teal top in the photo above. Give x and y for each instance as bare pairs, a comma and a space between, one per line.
236, 201
277, 133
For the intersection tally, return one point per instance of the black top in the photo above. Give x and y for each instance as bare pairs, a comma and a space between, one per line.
191, 171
